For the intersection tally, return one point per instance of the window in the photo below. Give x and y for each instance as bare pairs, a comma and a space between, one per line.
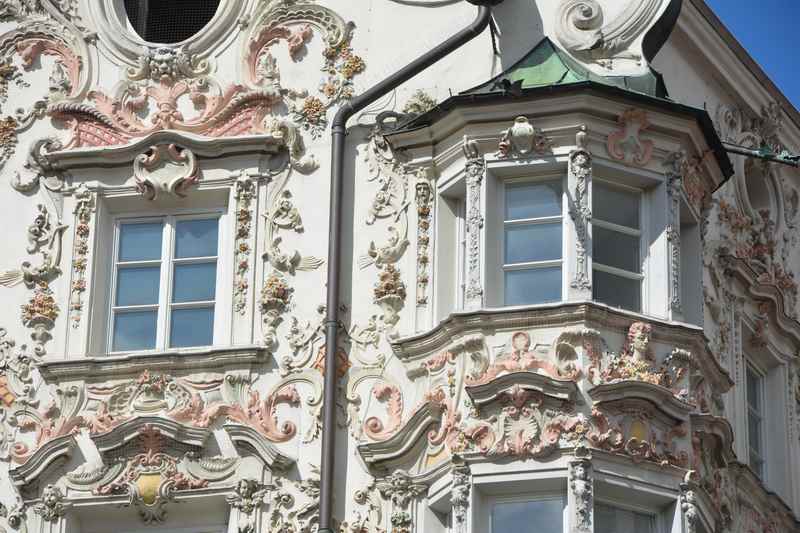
544, 515
754, 396
173, 21
616, 246
164, 284
532, 242
608, 519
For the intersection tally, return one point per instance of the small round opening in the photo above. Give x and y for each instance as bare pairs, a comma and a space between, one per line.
169, 21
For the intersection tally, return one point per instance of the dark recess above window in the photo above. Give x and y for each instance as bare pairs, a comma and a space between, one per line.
169, 21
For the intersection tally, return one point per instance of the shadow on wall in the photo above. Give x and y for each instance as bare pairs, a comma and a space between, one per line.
520, 28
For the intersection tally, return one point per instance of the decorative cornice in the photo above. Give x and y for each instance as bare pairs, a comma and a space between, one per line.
127, 365
740, 268
61, 447
265, 449
202, 147
564, 391
125, 431
384, 454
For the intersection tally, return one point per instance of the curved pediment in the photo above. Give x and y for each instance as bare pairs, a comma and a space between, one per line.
558, 390
133, 428
622, 393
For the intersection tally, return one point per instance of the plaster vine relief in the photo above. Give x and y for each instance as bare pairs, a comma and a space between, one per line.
627, 144
84, 208
244, 193
369, 518
390, 202
580, 168
424, 198
284, 215
584, 30
475, 173
276, 296
40, 312
522, 139
289, 514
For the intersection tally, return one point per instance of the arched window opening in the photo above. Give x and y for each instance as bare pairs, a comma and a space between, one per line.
157, 21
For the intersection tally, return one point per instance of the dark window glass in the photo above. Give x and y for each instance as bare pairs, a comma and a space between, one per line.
169, 21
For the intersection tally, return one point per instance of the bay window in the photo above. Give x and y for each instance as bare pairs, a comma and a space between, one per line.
164, 286
532, 242
616, 246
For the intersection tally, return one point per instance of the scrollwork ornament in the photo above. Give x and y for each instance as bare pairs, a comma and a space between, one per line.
522, 139
165, 169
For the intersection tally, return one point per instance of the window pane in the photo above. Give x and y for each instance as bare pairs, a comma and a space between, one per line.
616, 249
754, 433
194, 282
533, 286
140, 242
134, 331
609, 519
196, 238
615, 205
753, 390
138, 286
521, 517
192, 327
617, 291
533, 242
533, 200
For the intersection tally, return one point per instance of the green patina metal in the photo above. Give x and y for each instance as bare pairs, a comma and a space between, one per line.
547, 65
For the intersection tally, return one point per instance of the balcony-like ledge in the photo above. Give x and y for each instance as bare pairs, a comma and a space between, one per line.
591, 313
171, 360
622, 392
484, 394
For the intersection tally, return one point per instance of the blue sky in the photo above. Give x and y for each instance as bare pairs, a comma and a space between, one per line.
767, 29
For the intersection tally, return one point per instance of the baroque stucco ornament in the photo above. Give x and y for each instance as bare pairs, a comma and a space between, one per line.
522, 139
627, 144
588, 33
165, 169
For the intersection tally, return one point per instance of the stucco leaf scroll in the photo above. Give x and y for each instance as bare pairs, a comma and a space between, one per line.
585, 31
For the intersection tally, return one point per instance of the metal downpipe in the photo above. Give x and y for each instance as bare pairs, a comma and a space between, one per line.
338, 134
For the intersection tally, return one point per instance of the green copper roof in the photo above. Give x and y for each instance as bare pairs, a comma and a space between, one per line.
547, 65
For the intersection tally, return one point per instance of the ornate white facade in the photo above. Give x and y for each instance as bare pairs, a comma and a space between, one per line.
679, 407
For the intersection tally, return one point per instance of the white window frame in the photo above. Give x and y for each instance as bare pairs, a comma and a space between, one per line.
165, 281
491, 501
751, 367
641, 233
500, 265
